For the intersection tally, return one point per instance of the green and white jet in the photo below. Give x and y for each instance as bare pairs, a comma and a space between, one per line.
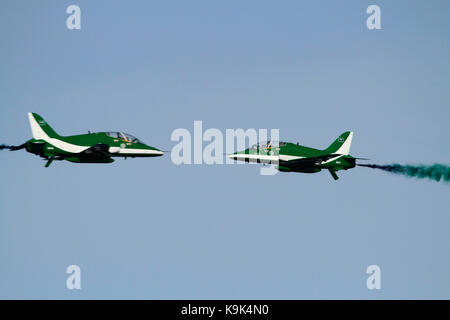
291, 157
97, 147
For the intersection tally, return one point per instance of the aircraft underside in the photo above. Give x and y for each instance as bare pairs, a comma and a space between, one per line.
330, 162
95, 154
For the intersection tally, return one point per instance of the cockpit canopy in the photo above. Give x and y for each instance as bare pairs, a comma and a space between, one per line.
123, 136
268, 144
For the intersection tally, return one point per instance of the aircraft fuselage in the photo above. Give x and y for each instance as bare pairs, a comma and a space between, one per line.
290, 157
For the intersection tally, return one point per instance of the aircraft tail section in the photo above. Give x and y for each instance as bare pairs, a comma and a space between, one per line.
341, 145
40, 128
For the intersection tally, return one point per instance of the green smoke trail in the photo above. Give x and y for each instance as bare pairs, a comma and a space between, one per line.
434, 172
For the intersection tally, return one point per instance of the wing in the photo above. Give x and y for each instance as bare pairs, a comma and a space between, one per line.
99, 150
308, 162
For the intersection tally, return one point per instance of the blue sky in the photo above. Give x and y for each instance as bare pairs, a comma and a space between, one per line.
148, 229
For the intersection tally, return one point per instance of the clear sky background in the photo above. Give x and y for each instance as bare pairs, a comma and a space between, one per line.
146, 228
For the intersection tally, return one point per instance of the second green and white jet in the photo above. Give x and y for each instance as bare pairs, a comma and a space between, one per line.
291, 157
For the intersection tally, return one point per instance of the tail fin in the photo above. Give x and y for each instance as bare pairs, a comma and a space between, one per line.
40, 128
342, 144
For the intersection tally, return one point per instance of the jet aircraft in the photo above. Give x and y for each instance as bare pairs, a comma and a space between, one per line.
97, 147
292, 157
